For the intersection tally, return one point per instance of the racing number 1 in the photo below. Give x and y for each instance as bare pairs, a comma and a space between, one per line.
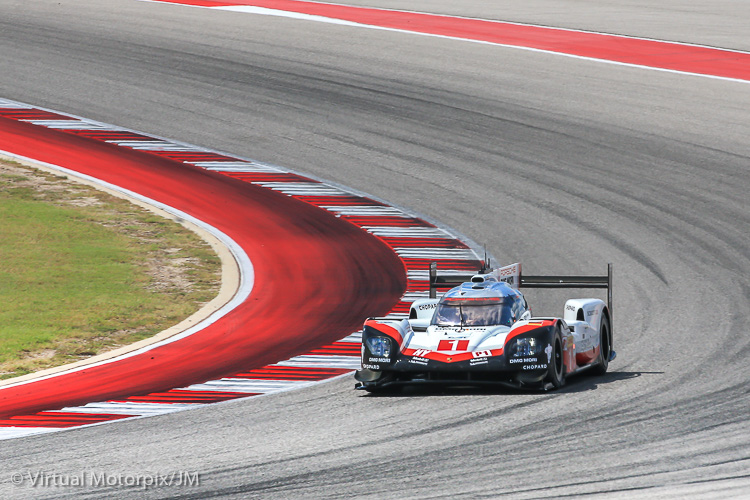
453, 345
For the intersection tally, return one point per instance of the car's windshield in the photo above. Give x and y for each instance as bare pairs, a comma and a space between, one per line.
457, 314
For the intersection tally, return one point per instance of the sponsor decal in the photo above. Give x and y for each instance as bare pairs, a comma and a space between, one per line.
570, 308
423, 307
371, 367
510, 274
419, 361
534, 367
524, 360
482, 354
507, 270
379, 360
478, 361
420, 353
548, 352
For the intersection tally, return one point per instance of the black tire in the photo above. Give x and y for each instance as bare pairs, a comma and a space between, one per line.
605, 351
556, 369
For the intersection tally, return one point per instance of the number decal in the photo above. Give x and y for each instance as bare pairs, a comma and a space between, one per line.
453, 345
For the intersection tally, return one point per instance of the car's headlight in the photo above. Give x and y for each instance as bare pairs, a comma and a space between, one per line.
379, 346
526, 347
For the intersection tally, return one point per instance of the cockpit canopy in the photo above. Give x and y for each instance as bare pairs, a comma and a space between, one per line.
484, 312
487, 304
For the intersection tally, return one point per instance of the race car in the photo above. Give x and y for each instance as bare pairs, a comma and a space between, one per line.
482, 332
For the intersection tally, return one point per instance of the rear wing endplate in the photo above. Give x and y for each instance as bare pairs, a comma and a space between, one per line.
513, 276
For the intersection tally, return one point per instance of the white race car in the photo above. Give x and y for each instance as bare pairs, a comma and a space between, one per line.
482, 332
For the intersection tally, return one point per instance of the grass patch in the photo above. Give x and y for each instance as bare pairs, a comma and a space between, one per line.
83, 272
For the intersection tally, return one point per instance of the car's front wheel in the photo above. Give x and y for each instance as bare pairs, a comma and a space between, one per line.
556, 367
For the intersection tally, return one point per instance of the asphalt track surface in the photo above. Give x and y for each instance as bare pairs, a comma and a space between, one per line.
560, 163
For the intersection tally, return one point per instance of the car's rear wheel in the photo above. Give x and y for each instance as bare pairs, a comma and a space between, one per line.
605, 348
556, 367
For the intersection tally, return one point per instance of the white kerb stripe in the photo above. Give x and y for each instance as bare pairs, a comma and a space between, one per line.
234, 166
437, 253
247, 9
72, 125
424, 274
248, 385
128, 408
396, 316
314, 361
16, 432
8, 104
408, 232
355, 337
303, 188
412, 296
155, 146
366, 210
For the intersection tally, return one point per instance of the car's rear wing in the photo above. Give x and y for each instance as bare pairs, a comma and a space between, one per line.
513, 276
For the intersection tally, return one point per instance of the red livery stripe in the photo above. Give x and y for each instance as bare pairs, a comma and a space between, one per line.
520, 330
386, 329
448, 358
